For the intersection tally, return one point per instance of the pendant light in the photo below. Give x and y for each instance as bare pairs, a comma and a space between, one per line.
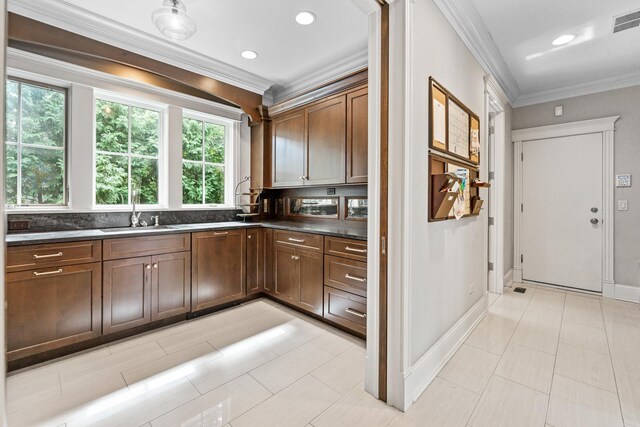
172, 20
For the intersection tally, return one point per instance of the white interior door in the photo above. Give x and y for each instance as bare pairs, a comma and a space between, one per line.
562, 211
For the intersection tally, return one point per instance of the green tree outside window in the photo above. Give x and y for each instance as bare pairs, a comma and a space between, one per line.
203, 162
35, 127
127, 150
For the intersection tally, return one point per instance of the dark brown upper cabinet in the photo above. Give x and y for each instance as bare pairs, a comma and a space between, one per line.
322, 143
289, 151
218, 268
326, 142
357, 136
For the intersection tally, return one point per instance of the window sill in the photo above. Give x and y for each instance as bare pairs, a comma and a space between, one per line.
29, 211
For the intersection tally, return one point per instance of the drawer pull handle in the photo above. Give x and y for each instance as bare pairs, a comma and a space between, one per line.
355, 312
360, 251
291, 239
221, 233
47, 256
356, 278
47, 273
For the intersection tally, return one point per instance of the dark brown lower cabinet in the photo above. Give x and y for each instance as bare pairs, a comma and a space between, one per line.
298, 277
218, 268
346, 309
52, 307
170, 285
137, 291
126, 294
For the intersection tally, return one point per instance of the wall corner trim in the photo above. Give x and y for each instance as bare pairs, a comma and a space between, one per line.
424, 371
507, 279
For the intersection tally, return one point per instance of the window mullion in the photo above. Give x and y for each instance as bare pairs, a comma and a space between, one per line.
204, 181
129, 186
19, 145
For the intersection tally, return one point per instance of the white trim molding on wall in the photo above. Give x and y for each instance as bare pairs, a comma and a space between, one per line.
605, 126
422, 372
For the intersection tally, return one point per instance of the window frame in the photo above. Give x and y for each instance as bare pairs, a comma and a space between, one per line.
19, 144
229, 159
131, 101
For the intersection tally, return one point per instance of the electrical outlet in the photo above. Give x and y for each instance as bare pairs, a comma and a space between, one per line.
471, 286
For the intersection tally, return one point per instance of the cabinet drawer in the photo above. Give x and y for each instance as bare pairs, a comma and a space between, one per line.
346, 309
346, 274
130, 247
309, 242
21, 258
52, 307
354, 249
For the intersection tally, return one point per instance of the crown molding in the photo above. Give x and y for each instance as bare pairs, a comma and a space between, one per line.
466, 21
323, 76
597, 86
80, 21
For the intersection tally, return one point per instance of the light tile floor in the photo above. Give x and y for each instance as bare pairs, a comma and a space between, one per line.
546, 357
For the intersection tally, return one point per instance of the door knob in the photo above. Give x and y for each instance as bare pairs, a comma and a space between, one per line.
594, 210
594, 221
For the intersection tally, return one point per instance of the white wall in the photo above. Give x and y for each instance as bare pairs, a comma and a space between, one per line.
433, 266
626, 104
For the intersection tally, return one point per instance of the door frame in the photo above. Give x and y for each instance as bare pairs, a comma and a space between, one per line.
605, 126
496, 102
376, 366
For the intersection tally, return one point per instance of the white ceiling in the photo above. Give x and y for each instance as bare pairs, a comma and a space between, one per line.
288, 52
523, 32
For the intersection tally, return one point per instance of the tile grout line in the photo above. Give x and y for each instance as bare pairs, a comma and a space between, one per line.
555, 359
496, 367
615, 377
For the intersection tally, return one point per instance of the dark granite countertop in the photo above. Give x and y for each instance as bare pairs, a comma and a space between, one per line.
100, 234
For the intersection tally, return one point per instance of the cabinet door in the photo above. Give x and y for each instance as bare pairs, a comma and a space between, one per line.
218, 261
52, 307
126, 294
310, 294
286, 273
289, 153
268, 260
255, 260
357, 136
170, 285
326, 145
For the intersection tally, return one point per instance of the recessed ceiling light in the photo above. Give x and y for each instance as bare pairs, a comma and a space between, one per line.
305, 18
564, 39
249, 54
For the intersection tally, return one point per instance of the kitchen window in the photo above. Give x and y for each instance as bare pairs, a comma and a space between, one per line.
128, 143
35, 144
205, 161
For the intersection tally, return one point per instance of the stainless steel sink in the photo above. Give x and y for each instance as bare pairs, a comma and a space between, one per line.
137, 229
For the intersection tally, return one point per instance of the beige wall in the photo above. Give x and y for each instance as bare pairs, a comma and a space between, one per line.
626, 104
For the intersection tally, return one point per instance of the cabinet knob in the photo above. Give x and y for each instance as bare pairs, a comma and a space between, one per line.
155, 265
148, 267
249, 237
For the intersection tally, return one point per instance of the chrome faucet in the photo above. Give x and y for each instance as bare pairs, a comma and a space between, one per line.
135, 218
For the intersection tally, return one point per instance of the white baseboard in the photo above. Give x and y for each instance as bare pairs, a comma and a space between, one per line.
429, 365
626, 293
507, 280
517, 275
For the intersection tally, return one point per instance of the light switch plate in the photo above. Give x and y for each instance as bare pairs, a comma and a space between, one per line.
623, 180
623, 205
